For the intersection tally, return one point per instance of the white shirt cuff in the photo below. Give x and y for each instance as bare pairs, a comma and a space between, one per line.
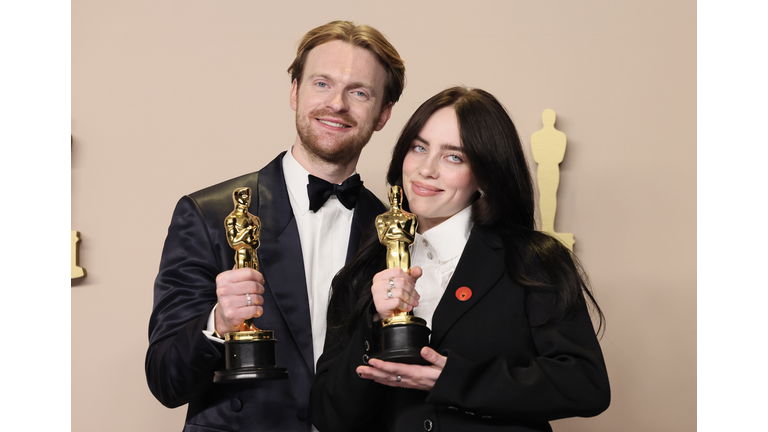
209, 331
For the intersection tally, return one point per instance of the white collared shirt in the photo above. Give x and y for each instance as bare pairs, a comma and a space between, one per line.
437, 252
324, 239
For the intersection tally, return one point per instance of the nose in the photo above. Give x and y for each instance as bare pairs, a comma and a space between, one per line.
337, 101
428, 167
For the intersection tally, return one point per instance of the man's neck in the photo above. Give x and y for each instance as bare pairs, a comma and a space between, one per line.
327, 171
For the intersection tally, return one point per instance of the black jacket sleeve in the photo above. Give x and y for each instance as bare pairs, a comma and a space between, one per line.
181, 360
565, 377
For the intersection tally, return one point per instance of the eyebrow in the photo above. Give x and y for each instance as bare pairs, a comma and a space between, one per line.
442, 146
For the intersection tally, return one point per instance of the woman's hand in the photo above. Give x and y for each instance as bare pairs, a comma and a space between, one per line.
416, 377
393, 290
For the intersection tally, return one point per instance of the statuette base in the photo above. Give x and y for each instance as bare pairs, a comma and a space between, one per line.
401, 339
250, 356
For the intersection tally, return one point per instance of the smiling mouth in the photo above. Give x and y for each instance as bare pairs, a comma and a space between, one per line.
424, 190
334, 124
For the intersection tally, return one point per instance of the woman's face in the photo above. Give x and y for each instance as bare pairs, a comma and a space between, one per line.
437, 179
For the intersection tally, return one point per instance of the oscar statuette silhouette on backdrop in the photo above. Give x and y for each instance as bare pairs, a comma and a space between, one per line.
249, 352
548, 147
403, 335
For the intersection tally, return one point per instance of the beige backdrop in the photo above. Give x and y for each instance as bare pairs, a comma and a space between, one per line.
169, 97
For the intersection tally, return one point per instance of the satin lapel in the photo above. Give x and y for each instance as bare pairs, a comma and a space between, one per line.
368, 207
280, 257
481, 265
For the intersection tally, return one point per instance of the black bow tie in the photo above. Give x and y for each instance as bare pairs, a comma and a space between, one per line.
320, 190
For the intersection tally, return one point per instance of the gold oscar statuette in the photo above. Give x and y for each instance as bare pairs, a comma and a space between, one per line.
401, 336
249, 352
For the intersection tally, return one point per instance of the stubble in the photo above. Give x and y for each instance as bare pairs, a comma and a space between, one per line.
328, 147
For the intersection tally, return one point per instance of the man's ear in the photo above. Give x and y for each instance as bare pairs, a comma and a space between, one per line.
384, 117
294, 95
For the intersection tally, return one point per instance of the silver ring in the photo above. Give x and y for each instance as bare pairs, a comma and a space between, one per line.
248, 296
391, 283
389, 293
399, 378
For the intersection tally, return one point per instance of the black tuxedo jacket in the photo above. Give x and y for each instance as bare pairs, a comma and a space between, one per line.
181, 360
503, 371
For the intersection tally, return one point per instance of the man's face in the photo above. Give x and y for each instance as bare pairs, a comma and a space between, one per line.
338, 102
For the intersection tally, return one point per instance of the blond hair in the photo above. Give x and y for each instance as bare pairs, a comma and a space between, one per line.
359, 35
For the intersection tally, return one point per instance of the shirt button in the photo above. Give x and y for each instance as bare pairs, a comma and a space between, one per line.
365, 358
367, 346
429, 255
469, 413
453, 408
427, 425
235, 405
302, 414
424, 242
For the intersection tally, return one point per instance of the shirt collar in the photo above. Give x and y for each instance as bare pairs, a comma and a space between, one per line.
449, 238
296, 181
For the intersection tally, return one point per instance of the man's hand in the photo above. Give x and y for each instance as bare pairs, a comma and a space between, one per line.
231, 289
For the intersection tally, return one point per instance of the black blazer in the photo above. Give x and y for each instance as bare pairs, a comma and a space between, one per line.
503, 372
181, 361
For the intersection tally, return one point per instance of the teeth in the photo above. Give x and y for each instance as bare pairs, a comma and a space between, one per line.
330, 123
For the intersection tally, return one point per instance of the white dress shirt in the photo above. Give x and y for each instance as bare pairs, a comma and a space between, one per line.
324, 239
437, 252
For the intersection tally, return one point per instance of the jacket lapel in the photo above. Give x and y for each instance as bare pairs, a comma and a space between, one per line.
280, 257
366, 210
481, 265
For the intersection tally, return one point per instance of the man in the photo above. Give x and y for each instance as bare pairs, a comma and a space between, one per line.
346, 79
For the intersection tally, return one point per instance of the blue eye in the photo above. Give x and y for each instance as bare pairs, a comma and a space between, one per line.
419, 148
361, 94
454, 158
321, 84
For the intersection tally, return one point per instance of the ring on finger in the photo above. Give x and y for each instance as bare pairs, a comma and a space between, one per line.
399, 378
391, 283
389, 293
248, 297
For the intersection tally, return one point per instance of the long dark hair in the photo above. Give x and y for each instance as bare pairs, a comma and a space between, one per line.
494, 152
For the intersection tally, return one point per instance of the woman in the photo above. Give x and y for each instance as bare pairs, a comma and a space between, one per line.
512, 343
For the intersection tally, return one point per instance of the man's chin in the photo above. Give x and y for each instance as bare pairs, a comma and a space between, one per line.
336, 149
334, 155
332, 151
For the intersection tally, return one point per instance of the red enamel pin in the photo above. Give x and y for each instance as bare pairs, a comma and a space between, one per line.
463, 293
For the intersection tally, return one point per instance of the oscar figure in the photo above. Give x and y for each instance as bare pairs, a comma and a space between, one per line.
401, 336
249, 352
548, 147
